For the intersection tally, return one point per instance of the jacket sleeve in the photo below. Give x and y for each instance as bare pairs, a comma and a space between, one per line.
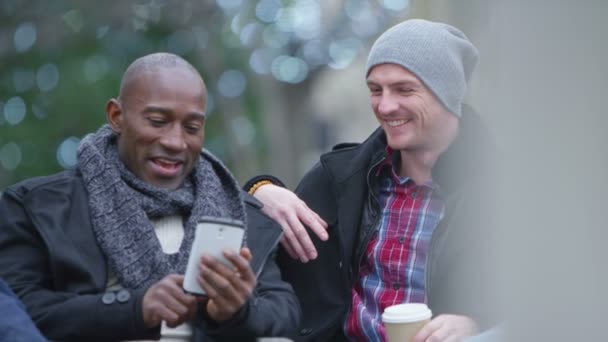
273, 309
61, 314
15, 324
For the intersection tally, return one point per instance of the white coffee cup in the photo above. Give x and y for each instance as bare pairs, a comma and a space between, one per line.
403, 321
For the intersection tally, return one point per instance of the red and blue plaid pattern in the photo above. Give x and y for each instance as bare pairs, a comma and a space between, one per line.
392, 269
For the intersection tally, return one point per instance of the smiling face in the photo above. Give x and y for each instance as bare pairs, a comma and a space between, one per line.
160, 120
412, 117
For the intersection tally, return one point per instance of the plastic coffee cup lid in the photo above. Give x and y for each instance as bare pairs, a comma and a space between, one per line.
406, 313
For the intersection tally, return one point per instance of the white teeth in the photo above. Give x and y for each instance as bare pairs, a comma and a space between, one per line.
395, 123
165, 161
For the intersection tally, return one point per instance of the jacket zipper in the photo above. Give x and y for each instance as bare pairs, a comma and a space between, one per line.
369, 232
359, 254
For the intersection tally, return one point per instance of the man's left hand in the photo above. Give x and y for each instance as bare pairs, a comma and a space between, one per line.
228, 288
447, 328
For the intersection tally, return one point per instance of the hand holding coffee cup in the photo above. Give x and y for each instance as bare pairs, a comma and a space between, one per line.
403, 321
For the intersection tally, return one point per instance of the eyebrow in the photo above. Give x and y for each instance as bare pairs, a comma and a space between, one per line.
166, 111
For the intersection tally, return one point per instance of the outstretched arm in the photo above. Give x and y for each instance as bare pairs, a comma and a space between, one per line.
293, 215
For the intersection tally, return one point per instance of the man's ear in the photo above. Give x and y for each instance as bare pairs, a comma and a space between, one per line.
114, 115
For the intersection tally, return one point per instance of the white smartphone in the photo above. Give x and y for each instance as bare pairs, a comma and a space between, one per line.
213, 235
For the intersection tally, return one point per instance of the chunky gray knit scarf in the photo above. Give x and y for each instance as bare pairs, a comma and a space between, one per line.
121, 206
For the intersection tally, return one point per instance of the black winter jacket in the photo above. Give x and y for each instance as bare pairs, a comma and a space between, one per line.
51, 259
342, 188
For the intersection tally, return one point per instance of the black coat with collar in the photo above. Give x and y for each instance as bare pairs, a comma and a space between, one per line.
50, 258
339, 189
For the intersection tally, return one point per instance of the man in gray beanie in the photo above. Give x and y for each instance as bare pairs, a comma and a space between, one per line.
393, 218
440, 55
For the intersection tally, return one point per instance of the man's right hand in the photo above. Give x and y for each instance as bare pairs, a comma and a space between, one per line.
292, 214
167, 301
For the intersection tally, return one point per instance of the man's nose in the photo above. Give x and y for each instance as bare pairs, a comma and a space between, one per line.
174, 139
387, 104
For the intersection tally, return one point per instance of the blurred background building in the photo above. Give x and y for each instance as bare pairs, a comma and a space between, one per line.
286, 82
285, 77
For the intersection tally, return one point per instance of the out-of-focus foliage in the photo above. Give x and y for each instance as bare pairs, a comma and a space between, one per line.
60, 61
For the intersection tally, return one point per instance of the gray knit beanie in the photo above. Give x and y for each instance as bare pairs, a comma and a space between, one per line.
440, 55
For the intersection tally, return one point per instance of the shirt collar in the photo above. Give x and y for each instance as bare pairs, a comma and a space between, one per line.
391, 164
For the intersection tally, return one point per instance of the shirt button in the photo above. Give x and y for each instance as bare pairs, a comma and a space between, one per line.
108, 298
413, 194
123, 296
401, 239
396, 286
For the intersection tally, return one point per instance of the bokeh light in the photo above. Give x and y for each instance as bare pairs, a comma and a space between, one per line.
146, 14
95, 68
357, 9
395, 5
366, 28
364, 21
289, 69
275, 38
303, 18
66, 152
343, 52
313, 53
14, 110
268, 10
10, 156
261, 60
25, 37
250, 34
236, 24
229, 4
47, 77
232, 83
74, 20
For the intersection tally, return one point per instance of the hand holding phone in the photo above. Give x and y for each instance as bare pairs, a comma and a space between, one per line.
212, 237
228, 288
